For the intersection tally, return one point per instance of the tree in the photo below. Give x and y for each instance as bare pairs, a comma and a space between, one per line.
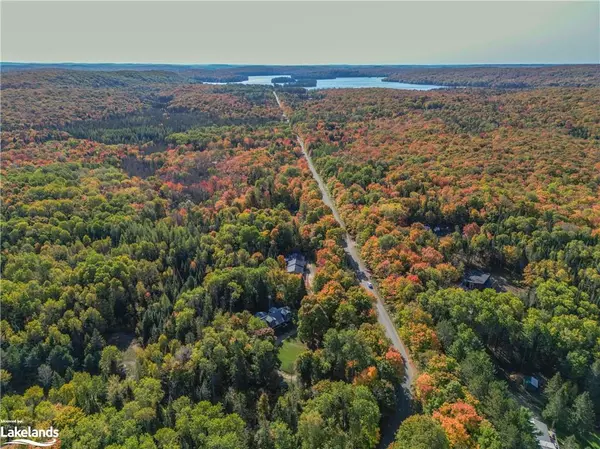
460, 422
5, 378
592, 383
420, 432
205, 425
282, 436
110, 361
570, 442
488, 437
340, 415
477, 369
167, 438
45, 375
560, 395
263, 438
314, 322
582, 415
312, 431
263, 409
147, 393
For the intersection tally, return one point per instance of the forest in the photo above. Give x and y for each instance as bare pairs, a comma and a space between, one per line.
118, 75
507, 181
147, 219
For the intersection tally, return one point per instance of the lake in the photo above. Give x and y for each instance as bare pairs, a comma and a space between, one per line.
343, 83
263, 80
369, 81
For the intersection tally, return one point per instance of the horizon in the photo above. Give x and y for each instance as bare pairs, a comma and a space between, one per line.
208, 64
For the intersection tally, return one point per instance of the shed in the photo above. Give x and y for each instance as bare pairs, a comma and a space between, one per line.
477, 280
532, 381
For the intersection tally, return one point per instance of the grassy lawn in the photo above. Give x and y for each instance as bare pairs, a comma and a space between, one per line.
289, 352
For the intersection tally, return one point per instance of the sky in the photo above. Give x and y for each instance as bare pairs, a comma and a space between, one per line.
301, 32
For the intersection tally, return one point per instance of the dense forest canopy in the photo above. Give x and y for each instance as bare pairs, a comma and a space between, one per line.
437, 184
147, 217
120, 75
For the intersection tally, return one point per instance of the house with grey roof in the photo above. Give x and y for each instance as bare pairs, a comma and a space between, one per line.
296, 263
546, 438
276, 316
477, 280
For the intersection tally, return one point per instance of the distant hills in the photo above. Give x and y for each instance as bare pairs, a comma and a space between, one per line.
498, 76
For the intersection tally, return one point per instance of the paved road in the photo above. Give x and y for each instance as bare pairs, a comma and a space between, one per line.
363, 274
361, 270
281, 107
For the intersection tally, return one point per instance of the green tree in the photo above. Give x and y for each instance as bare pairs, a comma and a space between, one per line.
110, 361
592, 383
570, 442
420, 432
282, 436
340, 415
560, 396
582, 415
167, 438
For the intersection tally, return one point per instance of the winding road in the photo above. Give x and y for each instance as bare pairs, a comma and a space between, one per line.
361, 270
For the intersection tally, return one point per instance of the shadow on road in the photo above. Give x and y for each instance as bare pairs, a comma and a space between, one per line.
361, 276
390, 424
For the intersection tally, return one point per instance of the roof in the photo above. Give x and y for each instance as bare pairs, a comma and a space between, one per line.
295, 263
442, 230
477, 277
543, 434
533, 381
295, 267
276, 316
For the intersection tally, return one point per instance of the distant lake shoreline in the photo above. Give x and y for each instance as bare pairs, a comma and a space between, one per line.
339, 83
369, 82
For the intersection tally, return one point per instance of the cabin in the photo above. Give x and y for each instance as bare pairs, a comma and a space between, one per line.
296, 263
546, 438
276, 316
477, 280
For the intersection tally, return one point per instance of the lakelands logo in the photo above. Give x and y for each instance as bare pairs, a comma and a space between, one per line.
21, 436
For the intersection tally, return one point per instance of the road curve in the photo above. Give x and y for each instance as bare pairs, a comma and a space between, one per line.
361, 270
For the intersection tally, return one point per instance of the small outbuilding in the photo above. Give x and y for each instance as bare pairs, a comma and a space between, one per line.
531, 382
477, 280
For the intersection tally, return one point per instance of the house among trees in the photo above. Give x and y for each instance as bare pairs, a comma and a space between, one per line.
440, 231
546, 438
296, 263
276, 317
477, 280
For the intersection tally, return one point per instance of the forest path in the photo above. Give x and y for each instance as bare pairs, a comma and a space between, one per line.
364, 277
